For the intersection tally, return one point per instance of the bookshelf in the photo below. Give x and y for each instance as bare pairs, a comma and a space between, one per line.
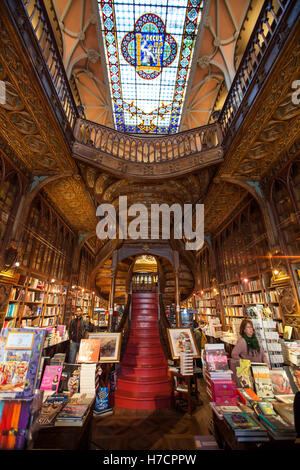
35, 301
206, 305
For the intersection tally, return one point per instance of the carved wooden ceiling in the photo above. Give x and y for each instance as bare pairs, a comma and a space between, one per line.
30, 129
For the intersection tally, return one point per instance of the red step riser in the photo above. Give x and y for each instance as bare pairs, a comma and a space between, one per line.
138, 361
142, 404
142, 350
163, 387
141, 372
141, 318
144, 333
144, 342
144, 324
144, 295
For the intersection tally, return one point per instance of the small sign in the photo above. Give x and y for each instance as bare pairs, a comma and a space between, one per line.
2, 92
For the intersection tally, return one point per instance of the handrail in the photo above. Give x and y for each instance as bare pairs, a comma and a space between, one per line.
147, 148
124, 325
42, 28
264, 30
163, 325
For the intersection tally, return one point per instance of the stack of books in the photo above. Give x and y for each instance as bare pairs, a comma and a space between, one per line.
75, 412
246, 428
186, 363
220, 387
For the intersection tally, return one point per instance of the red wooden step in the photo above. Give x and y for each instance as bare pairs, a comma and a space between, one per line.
144, 371
146, 341
136, 361
154, 386
146, 402
141, 349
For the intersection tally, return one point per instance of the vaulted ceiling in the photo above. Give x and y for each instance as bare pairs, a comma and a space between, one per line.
29, 129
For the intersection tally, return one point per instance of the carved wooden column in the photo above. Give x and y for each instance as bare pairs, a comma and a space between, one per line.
114, 266
177, 288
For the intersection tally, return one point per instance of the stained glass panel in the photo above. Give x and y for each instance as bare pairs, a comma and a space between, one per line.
149, 48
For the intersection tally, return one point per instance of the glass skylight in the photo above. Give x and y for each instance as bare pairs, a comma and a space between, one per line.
149, 48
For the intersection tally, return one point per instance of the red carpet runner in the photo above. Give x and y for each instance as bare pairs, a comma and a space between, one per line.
144, 383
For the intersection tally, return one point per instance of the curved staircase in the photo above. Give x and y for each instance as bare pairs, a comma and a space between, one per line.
144, 383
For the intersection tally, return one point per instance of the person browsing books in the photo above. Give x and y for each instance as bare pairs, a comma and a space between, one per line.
77, 332
248, 346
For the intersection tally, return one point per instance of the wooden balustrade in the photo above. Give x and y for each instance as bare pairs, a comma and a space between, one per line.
144, 282
147, 149
265, 28
42, 28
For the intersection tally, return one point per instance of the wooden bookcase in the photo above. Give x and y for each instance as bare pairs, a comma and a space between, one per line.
35, 301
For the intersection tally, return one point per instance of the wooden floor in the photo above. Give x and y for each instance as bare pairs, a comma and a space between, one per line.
164, 429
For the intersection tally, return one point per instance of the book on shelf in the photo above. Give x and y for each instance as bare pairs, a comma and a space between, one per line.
51, 377
70, 378
241, 421
280, 381
262, 380
287, 332
241, 372
81, 399
89, 351
58, 359
278, 427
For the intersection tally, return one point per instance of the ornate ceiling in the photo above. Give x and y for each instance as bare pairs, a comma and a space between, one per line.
30, 129
224, 32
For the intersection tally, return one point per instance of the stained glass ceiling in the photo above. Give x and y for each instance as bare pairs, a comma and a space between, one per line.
149, 47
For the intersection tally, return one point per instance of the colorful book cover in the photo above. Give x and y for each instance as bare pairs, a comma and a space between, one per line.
51, 377
251, 394
280, 382
81, 399
89, 350
50, 408
73, 411
243, 373
262, 381
286, 411
216, 360
293, 372
266, 408
240, 421
24, 346
70, 378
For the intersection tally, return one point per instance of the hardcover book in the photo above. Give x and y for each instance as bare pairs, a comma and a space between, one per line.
20, 354
262, 381
70, 378
293, 372
50, 409
51, 377
89, 350
280, 382
216, 360
286, 411
241, 421
266, 408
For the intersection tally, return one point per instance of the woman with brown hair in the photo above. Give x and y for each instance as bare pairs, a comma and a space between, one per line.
248, 346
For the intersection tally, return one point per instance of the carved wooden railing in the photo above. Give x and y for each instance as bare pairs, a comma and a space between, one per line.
144, 282
163, 326
42, 28
147, 149
266, 27
124, 325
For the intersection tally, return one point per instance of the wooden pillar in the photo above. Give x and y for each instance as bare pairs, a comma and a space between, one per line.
177, 288
114, 266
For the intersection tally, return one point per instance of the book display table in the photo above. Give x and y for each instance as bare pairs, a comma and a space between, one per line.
63, 437
226, 439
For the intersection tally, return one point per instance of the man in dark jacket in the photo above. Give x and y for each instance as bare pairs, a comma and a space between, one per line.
77, 331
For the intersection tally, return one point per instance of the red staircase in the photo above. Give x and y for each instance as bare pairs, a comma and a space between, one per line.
144, 383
